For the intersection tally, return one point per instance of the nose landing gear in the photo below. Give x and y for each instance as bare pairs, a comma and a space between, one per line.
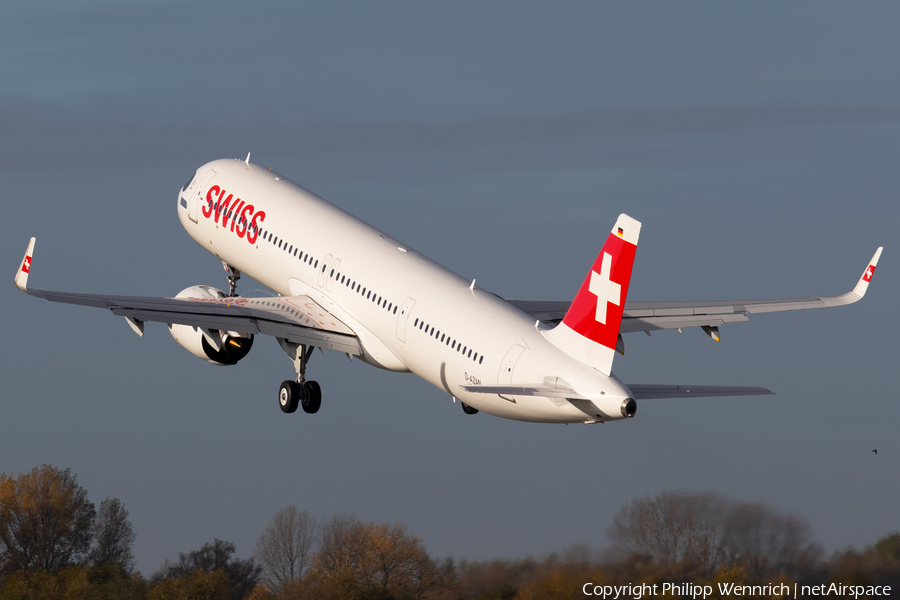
233, 276
303, 393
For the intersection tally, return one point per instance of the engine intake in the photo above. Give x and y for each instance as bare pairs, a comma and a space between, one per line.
234, 345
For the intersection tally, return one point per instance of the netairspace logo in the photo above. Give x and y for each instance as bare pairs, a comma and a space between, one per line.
689, 590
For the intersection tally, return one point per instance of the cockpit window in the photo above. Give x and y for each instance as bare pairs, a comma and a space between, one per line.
188, 183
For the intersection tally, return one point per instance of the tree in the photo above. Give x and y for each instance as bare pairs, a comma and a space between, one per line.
45, 520
888, 547
196, 585
372, 560
760, 539
710, 530
284, 550
396, 560
342, 545
113, 536
672, 527
243, 574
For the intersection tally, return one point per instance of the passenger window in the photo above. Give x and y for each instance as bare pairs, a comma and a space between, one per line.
316, 265
416, 323
470, 354
395, 310
442, 337
480, 360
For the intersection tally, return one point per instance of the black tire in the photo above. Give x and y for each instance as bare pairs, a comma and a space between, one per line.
289, 396
311, 399
468, 409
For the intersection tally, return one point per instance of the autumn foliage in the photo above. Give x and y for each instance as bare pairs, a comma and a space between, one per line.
55, 546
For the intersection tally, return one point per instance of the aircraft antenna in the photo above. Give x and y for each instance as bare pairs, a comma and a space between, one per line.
248, 159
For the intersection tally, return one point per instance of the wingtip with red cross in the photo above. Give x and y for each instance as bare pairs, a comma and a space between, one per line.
25, 268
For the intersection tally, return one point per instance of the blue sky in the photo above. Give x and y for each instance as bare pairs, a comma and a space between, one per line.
758, 144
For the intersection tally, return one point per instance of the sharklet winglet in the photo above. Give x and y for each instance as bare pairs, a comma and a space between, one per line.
25, 268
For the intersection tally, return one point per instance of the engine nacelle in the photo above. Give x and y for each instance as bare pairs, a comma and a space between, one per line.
234, 345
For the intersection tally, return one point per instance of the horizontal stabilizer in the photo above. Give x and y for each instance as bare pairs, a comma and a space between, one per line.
538, 389
647, 391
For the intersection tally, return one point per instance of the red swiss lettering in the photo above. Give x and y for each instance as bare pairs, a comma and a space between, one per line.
253, 230
244, 220
222, 209
237, 212
214, 190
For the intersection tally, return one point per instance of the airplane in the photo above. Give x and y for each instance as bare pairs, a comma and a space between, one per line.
344, 285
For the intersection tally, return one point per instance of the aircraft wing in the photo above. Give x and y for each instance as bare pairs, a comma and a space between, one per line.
649, 316
297, 319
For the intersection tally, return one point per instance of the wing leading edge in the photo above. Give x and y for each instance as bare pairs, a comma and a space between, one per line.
297, 319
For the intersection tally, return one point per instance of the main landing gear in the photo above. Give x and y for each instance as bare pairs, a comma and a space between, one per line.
293, 394
303, 393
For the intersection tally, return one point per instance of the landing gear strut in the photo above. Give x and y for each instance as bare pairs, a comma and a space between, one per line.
233, 276
303, 393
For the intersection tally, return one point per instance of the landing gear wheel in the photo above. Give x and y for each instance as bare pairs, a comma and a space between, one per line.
311, 398
468, 409
289, 396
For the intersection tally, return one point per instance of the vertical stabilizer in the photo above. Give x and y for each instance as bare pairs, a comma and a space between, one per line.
590, 329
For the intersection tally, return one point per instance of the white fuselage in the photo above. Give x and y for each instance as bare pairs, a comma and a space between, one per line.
409, 313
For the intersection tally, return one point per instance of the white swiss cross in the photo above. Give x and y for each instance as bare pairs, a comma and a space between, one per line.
604, 288
26, 266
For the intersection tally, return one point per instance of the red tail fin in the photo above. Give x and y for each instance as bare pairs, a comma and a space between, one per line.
591, 326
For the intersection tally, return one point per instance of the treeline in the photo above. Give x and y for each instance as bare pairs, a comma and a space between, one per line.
55, 544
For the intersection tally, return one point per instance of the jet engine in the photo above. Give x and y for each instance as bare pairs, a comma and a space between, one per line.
212, 345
